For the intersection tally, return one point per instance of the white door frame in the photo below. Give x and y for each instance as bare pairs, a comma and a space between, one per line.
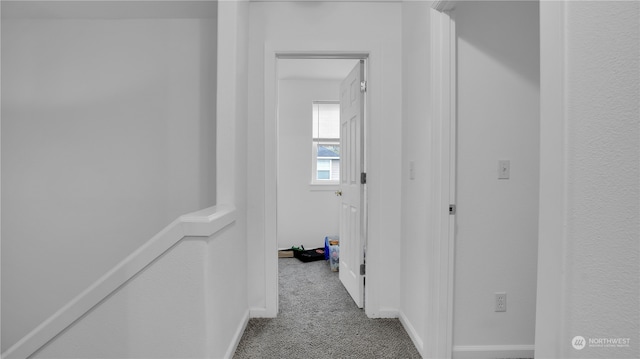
439, 322
271, 55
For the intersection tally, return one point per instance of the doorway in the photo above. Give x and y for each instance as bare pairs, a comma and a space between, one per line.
313, 162
497, 178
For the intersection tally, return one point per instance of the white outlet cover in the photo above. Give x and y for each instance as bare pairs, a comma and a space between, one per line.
501, 302
504, 169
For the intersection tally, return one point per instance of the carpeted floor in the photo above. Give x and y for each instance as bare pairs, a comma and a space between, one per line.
318, 319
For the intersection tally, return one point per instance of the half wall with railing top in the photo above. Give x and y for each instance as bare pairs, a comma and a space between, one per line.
173, 297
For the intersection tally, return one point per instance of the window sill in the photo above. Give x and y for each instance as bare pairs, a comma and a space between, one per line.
324, 186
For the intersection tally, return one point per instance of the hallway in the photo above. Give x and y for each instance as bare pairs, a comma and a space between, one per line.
142, 158
318, 319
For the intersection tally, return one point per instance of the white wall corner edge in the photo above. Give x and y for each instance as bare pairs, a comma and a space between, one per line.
492, 351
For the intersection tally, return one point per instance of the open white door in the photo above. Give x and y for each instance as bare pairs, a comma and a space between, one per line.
351, 167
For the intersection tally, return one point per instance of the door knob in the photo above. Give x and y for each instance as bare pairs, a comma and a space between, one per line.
339, 193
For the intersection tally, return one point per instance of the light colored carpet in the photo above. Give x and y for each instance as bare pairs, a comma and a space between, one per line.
318, 319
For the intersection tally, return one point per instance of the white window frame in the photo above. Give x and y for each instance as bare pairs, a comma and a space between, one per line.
315, 142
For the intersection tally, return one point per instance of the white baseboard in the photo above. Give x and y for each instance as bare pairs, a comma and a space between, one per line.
387, 313
237, 336
257, 312
413, 334
492, 351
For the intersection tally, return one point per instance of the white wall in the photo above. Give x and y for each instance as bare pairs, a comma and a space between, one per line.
182, 305
496, 220
158, 314
589, 257
306, 213
228, 289
328, 26
108, 127
416, 148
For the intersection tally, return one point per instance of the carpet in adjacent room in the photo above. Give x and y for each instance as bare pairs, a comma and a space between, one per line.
318, 319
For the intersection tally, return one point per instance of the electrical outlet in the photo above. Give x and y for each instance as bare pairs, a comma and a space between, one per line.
501, 302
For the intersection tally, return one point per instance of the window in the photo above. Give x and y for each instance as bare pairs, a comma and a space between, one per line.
326, 143
324, 169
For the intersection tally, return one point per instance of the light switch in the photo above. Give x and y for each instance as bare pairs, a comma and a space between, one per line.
504, 169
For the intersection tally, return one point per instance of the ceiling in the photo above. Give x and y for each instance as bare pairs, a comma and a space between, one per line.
314, 69
332, 0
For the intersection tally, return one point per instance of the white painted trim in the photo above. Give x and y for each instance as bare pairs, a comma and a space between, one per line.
443, 5
315, 142
551, 301
323, 187
384, 312
256, 312
453, 165
202, 223
208, 221
492, 351
237, 336
439, 330
301, 50
270, 181
413, 334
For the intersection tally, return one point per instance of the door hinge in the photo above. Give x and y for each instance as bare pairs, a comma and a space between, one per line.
363, 86
363, 269
452, 209
363, 178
